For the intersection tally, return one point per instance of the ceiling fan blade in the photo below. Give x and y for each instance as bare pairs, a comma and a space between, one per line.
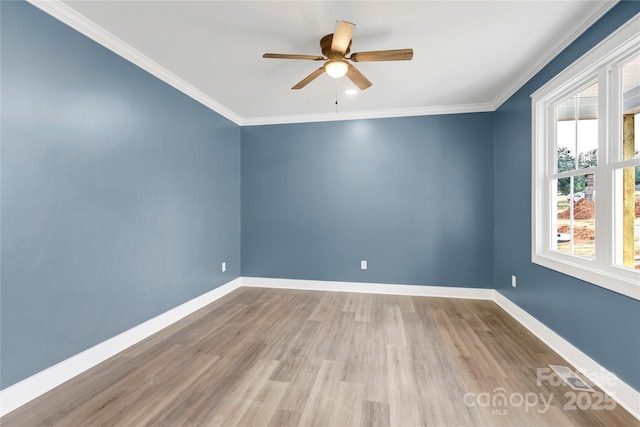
288, 56
358, 78
311, 77
383, 55
342, 37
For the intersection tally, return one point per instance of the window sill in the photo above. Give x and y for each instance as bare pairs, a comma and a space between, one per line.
620, 280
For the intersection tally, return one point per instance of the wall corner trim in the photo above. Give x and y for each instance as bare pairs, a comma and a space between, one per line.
28, 389
625, 395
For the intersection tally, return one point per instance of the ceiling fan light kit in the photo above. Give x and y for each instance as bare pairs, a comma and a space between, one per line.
335, 48
336, 68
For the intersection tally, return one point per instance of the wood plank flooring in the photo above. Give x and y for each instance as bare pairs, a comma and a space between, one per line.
273, 357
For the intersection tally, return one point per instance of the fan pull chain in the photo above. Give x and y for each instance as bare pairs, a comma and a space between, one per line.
336, 96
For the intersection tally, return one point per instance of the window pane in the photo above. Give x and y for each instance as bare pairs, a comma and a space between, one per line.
587, 127
577, 130
630, 220
566, 159
576, 215
631, 109
566, 132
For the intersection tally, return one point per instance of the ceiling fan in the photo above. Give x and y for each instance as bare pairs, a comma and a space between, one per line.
335, 48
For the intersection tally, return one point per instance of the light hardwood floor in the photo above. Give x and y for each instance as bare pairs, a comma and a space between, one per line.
272, 357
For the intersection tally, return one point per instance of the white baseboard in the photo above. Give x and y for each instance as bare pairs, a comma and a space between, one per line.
625, 395
369, 288
28, 389
18, 394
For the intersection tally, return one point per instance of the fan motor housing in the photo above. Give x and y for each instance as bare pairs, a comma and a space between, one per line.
325, 45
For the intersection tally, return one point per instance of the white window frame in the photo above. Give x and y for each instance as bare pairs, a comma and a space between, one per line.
601, 63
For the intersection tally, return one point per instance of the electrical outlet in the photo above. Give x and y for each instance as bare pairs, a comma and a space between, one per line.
224, 267
513, 281
363, 264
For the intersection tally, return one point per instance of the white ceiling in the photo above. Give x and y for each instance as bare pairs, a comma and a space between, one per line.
468, 55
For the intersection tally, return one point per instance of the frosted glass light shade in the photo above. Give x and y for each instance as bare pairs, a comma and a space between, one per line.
336, 68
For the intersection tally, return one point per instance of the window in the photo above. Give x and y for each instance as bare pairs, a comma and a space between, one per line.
586, 166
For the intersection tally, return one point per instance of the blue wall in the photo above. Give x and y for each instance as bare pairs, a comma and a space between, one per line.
120, 195
603, 324
413, 196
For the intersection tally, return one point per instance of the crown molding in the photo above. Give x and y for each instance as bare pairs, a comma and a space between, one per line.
370, 114
78, 22
68, 16
551, 51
